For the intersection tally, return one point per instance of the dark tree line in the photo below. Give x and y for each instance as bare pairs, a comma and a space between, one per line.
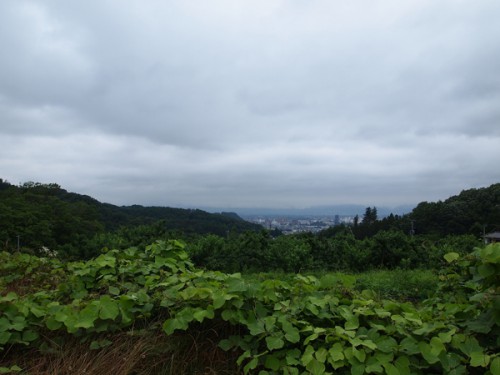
418, 239
473, 211
260, 252
45, 215
78, 226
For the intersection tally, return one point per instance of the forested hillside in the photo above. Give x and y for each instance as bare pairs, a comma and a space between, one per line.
78, 226
470, 212
45, 215
473, 211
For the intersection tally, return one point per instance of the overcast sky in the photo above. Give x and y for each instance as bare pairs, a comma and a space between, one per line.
261, 103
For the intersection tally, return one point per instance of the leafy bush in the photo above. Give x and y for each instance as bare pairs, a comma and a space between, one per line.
300, 325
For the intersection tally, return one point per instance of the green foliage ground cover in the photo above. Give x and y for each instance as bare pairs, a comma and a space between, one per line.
402, 285
304, 324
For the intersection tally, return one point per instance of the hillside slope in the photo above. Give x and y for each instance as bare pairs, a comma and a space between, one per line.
47, 215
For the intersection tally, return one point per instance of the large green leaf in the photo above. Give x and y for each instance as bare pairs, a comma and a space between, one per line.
88, 316
108, 308
358, 369
336, 352
403, 365
4, 324
53, 324
352, 323
200, 314
386, 344
315, 367
321, 354
292, 333
272, 362
4, 337
437, 346
450, 257
427, 352
29, 335
495, 366
479, 359
274, 342
390, 369
170, 325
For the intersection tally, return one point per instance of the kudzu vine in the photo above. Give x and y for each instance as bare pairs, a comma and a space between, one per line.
308, 325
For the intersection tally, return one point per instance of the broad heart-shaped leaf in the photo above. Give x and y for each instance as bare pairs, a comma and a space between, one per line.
308, 355
450, 257
403, 365
437, 346
236, 285
170, 325
470, 346
479, 359
409, 345
108, 308
495, 366
11, 296
426, 351
200, 314
352, 323
390, 369
88, 316
272, 362
219, 299
37, 311
291, 333
483, 323
126, 304
336, 352
447, 336
104, 260
321, 354
373, 366
386, 344
256, 327
29, 336
53, 324
358, 369
18, 323
490, 253
4, 337
4, 324
274, 342
315, 367
359, 354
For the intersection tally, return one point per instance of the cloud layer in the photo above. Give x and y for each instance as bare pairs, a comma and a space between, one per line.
263, 103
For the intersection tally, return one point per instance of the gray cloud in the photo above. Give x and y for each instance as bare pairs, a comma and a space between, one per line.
263, 103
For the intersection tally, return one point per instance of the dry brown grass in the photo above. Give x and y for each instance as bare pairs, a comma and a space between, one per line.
147, 353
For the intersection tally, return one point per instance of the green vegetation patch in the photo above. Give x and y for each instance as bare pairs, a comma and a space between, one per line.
300, 324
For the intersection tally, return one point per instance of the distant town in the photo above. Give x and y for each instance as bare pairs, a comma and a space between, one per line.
298, 224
